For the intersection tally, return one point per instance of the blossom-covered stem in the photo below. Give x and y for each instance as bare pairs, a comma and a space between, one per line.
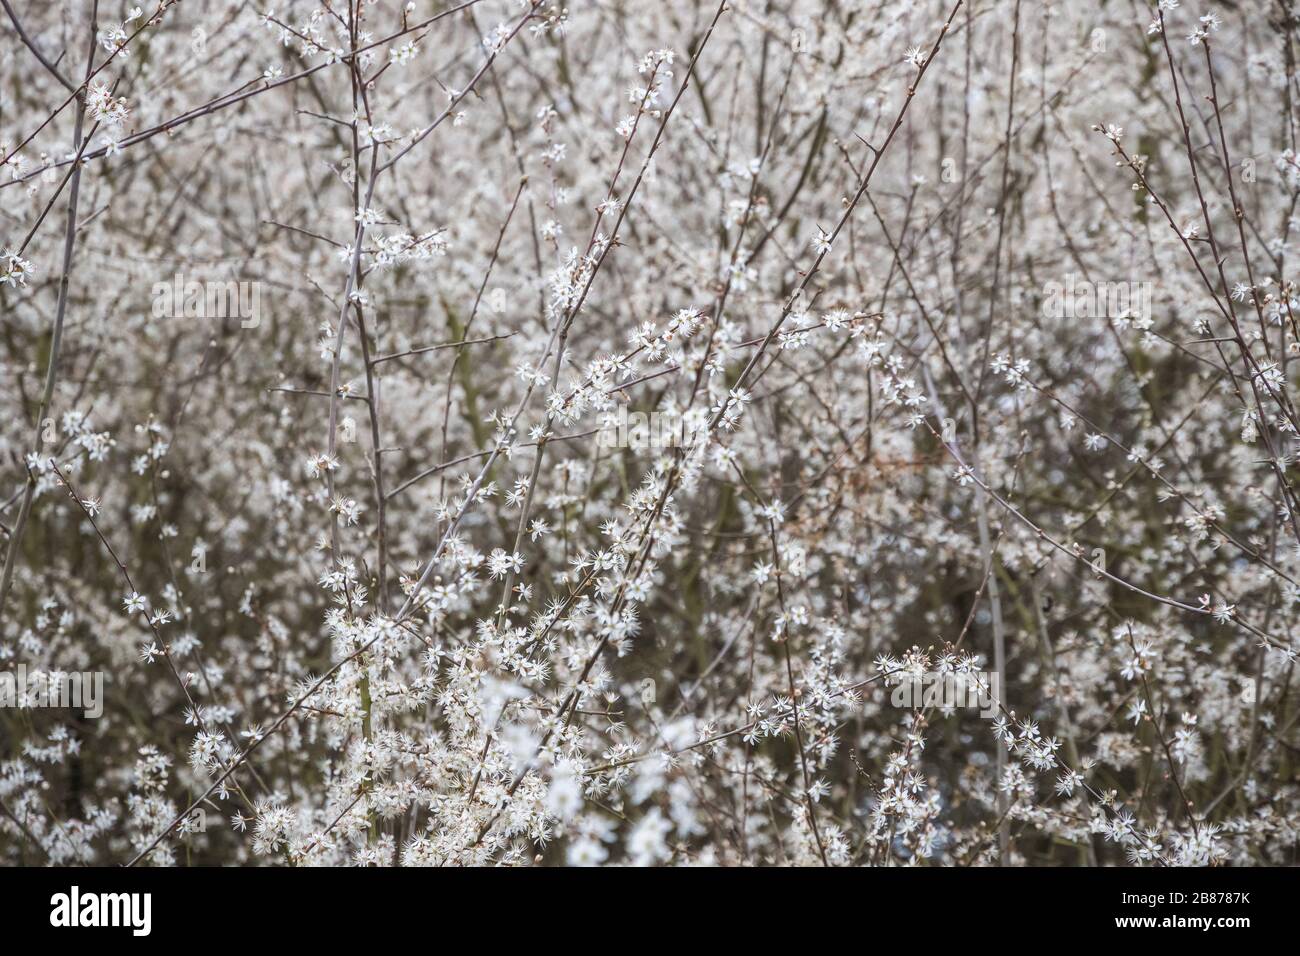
1187, 804
56, 336
525, 512
473, 312
24, 829
1238, 214
78, 94
376, 464
1043, 535
1004, 195
161, 643
221, 102
1255, 376
850, 206
572, 696
995, 612
1254, 373
794, 703
1144, 466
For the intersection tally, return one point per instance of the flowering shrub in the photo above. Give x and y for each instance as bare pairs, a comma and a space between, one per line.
963, 529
